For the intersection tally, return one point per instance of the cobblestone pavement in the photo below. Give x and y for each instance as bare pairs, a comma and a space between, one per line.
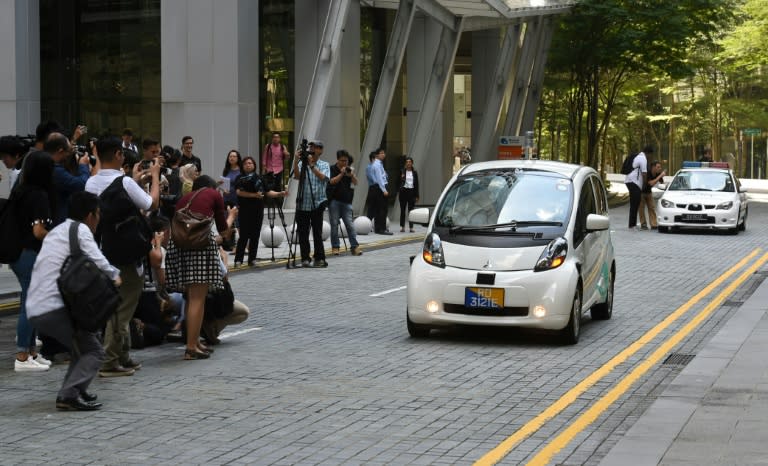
325, 373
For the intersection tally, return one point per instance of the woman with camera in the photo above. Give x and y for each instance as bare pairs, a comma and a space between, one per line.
196, 270
409, 191
251, 191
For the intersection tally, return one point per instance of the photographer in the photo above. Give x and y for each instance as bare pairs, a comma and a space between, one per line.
251, 191
47, 311
312, 200
340, 193
66, 183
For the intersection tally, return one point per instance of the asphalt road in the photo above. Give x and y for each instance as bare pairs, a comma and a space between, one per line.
324, 371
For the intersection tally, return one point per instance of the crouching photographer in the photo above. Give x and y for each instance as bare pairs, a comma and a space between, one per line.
46, 309
221, 309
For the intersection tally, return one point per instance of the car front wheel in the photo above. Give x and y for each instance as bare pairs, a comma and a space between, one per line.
416, 330
570, 334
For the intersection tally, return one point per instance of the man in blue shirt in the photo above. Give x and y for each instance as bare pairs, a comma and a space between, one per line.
64, 181
378, 193
312, 202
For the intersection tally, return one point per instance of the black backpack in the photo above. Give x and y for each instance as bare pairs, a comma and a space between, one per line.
626, 166
90, 294
126, 237
10, 230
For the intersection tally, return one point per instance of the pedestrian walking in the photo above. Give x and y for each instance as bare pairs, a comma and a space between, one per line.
409, 192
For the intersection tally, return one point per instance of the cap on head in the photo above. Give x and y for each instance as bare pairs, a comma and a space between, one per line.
317, 144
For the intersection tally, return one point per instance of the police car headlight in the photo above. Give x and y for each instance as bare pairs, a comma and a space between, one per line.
724, 205
432, 252
667, 204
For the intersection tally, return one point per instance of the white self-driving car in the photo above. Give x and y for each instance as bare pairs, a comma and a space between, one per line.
700, 197
521, 243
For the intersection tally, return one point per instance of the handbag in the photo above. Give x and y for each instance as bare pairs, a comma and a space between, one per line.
90, 294
190, 230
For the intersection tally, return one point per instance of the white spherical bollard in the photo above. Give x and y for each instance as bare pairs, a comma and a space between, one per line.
272, 238
326, 230
363, 225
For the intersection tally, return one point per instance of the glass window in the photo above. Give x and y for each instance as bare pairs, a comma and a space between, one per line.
489, 198
703, 180
277, 96
100, 65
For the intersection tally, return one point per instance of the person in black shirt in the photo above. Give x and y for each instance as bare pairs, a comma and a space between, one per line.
340, 192
251, 191
187, 156
655, 176
36, 207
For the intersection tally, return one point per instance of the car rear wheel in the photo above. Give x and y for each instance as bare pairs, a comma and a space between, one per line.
604, 310
743, 225
416, 330
570, 334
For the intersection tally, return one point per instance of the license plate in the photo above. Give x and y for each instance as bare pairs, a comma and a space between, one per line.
694, 216
484, 298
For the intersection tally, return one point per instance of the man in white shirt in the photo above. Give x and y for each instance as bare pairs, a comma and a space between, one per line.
635, 181
117, 337
46, 309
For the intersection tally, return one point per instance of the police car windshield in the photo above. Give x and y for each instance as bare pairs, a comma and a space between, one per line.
703, 180
528, 198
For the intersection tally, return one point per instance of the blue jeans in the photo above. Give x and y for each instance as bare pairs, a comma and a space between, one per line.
339, 210
25, 333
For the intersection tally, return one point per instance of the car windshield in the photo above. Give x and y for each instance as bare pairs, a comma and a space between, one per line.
503, 198
700, 180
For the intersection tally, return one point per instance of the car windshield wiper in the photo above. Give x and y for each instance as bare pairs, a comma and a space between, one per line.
508, 225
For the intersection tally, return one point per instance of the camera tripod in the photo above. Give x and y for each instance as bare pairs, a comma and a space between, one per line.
273, 207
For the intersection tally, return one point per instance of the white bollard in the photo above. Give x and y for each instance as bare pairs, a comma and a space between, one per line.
272, 238
363, 225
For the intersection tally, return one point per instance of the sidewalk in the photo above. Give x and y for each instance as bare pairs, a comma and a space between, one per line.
9, 285
715, 412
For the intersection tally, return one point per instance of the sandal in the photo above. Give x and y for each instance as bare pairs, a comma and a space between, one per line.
205, 349
190, 355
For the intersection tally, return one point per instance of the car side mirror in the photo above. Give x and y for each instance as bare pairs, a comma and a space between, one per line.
662, 186
743, 190
597, 222
419, 216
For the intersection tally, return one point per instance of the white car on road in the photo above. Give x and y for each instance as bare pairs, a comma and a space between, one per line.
522, 243
703, 198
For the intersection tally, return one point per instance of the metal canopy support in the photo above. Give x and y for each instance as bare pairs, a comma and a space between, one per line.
401, 30
325, 65
442, 72
537, 76
327, 57
484, 139
522, 78
438, 12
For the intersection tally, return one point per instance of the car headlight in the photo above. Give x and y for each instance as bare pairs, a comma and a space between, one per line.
553, 255
724, 205
667, 204
433, 251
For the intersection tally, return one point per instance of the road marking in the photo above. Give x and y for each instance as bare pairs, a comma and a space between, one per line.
226, 335
498, 453
376, 295
590, 415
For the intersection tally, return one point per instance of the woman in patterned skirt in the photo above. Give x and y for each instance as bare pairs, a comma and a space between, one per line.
194, 271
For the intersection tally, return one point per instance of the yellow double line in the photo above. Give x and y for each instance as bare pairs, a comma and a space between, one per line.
589, 416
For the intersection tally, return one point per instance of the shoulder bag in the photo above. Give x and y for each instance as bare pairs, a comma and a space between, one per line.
190, 230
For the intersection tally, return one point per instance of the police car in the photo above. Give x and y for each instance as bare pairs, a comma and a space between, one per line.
703, 195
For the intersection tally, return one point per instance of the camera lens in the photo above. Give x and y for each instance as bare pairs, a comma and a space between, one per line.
348, 170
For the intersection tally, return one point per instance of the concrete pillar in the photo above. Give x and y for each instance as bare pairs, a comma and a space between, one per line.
434, 166
210, 77
340, 128
485, 53
20, 72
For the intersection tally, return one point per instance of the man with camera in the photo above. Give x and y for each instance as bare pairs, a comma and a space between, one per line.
64, 181
311, 200
340, 193
127, 259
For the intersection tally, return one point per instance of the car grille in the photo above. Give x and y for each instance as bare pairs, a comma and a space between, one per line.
497, 312
695, 207
703, 220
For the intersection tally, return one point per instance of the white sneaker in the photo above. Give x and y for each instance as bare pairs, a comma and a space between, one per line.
29, 366
42, 361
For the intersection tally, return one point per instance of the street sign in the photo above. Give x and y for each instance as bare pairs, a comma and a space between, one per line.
751, 131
